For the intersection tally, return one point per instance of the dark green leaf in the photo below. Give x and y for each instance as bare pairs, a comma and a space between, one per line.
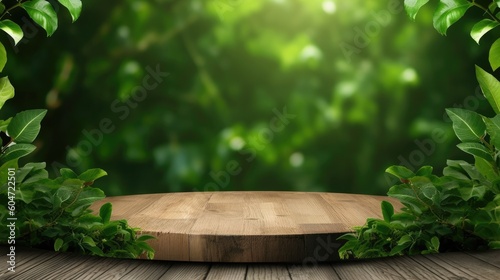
3, 58
16, 151
468, 125
105, 212
43, 14
58, 244
476, 149
424, 171
387, 210
25, 126
68, 173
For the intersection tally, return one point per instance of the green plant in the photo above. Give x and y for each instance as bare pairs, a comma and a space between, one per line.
457, 211
52, 213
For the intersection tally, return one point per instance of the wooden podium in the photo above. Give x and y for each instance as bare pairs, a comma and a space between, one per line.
246, 226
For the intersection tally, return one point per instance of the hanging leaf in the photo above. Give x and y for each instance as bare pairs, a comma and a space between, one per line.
494, 56
3, 57
490, 87
25, 126
481, 28
12, 29
74, 7
43, 14
468, 125
448, 12
413, 6
6, 89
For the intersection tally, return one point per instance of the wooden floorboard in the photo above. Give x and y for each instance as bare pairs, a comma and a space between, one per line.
38, 264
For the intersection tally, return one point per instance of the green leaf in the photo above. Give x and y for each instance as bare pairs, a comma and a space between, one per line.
405, 239
486, 168
3, 57
468, 125
12, 29
424, 171
448, 12
481, 28
435, 242
490, 87
89, 241
25, 126
468, 192
16, 151
493, 129
43, 14
86, 198
6, 89
4, 124
413, 6
145, 237
92, 175
476, 149
105, 212
407, 197
68, 173
400, 171
494, 56
387, 210
58, 244
74, 7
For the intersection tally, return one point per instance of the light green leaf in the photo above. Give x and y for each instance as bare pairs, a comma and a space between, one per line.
3, 57
89, 241
92, 175
12, 29
476, 149
58, 244
481, 28
490, 87
105, 212
405, 239
25, 126
413, 6
16, 151
6, 89
43, 14
448, 12
493, 129
68, 173
424, 171
400, 171
468, 125
435, 242
387, 210
494, 56
4, 124
74, 7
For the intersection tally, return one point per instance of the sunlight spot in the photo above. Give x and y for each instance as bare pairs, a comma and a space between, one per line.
329, 6
296, 159
310, 51
409, 75
236, 143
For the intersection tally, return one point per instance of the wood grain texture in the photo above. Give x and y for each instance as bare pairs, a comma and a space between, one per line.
246, 226
38, 264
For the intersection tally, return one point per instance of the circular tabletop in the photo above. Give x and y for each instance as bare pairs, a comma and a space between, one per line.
246, 226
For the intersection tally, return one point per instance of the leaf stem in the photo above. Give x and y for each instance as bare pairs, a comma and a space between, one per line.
11, 8
486, 10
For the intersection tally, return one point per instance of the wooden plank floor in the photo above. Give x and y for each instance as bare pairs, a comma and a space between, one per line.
38, 264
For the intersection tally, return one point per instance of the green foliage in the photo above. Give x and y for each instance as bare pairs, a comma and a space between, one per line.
54, 213
459, 210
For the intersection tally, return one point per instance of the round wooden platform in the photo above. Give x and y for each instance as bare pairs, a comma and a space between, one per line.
246, 226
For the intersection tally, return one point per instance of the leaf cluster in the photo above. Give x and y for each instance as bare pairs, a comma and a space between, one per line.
53, 213
461, 209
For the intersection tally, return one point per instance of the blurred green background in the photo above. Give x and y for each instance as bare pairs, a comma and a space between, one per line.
360, 80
